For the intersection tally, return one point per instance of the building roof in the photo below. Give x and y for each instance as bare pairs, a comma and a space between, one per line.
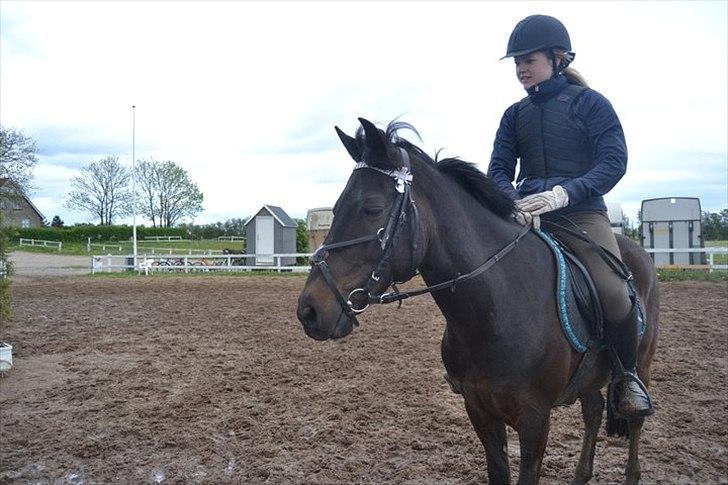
4, 180
279, 215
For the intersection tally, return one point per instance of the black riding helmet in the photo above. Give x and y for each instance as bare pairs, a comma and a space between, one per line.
536, 33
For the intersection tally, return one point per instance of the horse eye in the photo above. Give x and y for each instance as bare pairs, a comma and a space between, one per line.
373, 211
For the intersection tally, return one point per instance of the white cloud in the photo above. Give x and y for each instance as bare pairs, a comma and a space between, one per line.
244, 95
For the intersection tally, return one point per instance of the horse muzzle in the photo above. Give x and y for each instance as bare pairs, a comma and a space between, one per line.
323, 324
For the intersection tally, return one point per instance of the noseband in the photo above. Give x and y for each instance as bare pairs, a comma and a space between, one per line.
387, 236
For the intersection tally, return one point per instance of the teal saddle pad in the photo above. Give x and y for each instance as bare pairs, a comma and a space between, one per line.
577, 302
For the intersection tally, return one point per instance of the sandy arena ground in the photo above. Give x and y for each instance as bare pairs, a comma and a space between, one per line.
212, 380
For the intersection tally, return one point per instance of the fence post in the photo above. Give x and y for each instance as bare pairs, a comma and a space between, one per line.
88, 245
186, 268
108, 263
278, 263
710, 260
60, 246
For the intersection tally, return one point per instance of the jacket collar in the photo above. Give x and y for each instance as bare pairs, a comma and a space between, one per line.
545, 90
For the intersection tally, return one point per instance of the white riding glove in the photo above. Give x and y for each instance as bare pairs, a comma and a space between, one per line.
524, 218
543, 202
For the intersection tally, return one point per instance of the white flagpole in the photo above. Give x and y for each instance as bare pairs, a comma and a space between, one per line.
133, 183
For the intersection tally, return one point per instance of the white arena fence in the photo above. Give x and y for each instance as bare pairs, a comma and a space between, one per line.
711, 252
126, 246
41, 242
164, 238
189, 263
232, 262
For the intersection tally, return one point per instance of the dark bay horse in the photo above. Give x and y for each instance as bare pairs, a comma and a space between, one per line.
503, 347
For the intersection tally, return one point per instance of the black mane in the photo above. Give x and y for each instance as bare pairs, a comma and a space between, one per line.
465, 174
477, 184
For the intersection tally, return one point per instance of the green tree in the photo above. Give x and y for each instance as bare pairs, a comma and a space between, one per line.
301, 236
235, 226
101, 189
715, 225
301, 240
166, 193
17, 160
57, 222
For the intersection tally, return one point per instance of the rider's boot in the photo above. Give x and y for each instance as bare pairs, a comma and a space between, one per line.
627, 394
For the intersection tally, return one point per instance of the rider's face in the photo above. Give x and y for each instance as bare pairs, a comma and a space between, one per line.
533, 68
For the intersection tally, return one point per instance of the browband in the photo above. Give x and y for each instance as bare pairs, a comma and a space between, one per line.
401, 176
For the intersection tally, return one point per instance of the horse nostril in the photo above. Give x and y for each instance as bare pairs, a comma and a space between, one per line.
307, 315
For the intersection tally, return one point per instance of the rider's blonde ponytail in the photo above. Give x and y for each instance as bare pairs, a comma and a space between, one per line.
571, 74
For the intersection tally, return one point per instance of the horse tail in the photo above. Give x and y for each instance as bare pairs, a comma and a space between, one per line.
615, 426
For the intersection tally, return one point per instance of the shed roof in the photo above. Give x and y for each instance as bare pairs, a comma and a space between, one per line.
279, 215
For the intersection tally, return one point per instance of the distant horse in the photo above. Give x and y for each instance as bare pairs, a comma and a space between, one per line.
503, 347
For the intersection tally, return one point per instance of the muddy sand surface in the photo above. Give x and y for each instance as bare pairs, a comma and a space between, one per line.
212, 380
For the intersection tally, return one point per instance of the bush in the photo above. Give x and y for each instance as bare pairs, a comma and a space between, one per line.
81, 233
6, 270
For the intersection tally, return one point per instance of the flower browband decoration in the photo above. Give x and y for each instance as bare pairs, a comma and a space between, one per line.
401, 176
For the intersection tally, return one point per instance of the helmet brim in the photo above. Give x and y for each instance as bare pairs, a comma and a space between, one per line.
531, 51
523, 52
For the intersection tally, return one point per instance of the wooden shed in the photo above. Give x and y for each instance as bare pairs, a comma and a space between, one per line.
271, 231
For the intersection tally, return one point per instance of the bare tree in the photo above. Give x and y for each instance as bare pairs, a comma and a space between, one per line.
17, 160
101, 189
147, 182
167, 193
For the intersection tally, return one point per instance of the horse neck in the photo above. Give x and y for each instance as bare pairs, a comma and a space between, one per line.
460, 232
461, 235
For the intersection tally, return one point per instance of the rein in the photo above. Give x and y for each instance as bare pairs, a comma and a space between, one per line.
387, 236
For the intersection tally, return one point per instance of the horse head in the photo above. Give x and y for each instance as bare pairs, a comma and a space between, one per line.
374, 237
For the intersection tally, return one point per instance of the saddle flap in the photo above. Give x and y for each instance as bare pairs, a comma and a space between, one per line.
579, 306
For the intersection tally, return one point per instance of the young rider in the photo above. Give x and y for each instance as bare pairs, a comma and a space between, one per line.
572, 151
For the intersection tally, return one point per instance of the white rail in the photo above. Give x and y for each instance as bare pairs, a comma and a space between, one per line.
165, 238
41, 242
103, 246
710, 251
231, 238
194, 262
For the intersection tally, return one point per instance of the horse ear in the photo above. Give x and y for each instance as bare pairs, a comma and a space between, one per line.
351, 145
376, 150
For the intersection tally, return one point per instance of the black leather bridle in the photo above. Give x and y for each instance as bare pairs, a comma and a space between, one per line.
404, 210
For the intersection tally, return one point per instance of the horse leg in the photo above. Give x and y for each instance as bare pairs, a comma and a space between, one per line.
632, 473
492, 434
533, 432
592, 409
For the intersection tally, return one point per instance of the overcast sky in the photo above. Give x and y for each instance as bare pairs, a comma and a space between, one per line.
245, 95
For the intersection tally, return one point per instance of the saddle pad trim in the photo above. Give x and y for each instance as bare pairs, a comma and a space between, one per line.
578, 345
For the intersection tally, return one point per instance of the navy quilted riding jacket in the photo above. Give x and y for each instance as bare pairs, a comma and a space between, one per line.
595, 123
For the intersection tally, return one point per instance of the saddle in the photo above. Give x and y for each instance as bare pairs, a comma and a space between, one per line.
579, 307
